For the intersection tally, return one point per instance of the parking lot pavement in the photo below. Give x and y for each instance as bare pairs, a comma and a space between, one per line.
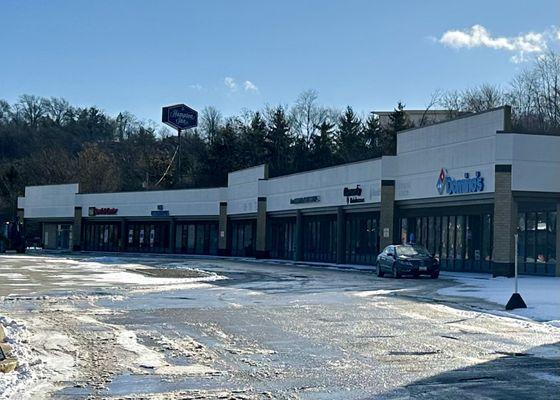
165, 328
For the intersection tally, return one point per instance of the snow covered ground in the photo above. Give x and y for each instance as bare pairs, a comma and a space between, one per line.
166, 328
541, 294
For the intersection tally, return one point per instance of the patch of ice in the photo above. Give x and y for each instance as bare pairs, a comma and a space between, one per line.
381, 292
545, 376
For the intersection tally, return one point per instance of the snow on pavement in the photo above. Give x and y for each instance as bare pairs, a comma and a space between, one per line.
541, 294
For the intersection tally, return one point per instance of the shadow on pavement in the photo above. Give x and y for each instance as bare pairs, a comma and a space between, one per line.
527, 375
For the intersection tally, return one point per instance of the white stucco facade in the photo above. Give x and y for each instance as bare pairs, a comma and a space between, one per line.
469, 144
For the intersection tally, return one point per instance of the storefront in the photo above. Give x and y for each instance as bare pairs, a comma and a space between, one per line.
101, 236
362, 238
57, 236
460, 238
463, 188
537, 227
282, 234
243, 237
319, 238
148, 237
196, 237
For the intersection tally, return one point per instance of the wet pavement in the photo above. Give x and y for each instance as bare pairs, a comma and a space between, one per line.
174, 328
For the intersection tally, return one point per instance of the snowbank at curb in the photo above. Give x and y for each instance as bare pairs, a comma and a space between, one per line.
541, 294
12, 383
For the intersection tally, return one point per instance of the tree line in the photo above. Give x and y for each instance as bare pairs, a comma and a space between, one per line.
49, 141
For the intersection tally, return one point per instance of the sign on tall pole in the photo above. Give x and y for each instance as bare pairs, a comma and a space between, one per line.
180, 117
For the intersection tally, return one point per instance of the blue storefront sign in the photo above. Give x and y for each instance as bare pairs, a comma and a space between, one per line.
450, 185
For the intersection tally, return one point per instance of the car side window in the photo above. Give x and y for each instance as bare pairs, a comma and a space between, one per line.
390, 250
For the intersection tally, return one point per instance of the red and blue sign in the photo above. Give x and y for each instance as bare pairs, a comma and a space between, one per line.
450, 185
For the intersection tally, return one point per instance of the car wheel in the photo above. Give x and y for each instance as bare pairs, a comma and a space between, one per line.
434, 275
396, 273
380, 273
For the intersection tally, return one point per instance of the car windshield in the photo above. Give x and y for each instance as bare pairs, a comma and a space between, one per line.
412, 251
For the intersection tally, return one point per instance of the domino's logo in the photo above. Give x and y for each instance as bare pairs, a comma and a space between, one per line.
440, 185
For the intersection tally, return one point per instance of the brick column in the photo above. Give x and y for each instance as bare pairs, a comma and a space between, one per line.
261, 245
505, 223
558, 238
123, 240
223, 249
298, 254
76, 244
340, 236
387, 214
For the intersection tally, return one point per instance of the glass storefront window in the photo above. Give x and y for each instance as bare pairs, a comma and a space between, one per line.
404, 230
552, 232
444, 237
437, 251
541, 237
487, 237
530, 237
460, 235
431, 235
451, 241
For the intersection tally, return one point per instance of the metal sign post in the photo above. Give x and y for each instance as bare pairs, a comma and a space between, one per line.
515, 264
516, 301
180, 117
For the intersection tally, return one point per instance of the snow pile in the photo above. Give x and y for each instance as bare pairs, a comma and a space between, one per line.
541, 294
14, 383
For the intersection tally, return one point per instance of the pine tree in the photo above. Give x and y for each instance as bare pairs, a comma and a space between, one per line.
253, 141
278, 142
398, 121
322, 146
350, 139
372, 136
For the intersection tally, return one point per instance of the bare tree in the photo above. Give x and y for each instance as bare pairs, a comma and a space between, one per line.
306, 115
57, 109
535, 95
30, 109
435, 98
210, 122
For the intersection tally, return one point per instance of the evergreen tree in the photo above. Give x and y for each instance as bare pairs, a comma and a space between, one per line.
372, 136
253, 141
398, 121
278, 142
350, 138
322, 147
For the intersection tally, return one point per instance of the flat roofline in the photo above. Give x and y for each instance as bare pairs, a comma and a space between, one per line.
455, 119
324, 168
422, 111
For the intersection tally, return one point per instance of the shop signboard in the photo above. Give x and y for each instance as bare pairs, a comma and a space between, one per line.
353, 195
304, 200
449, 185
160, 212
94, 211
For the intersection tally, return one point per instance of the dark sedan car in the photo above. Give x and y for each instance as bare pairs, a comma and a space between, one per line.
407, 259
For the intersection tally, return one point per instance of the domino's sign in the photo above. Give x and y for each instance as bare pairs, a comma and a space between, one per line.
468, 184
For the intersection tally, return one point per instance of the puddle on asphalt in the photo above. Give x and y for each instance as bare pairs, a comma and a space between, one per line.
128, 383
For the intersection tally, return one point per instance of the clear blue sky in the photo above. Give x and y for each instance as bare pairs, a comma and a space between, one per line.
139, 55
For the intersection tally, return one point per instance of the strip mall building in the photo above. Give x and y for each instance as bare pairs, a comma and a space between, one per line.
463, 188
